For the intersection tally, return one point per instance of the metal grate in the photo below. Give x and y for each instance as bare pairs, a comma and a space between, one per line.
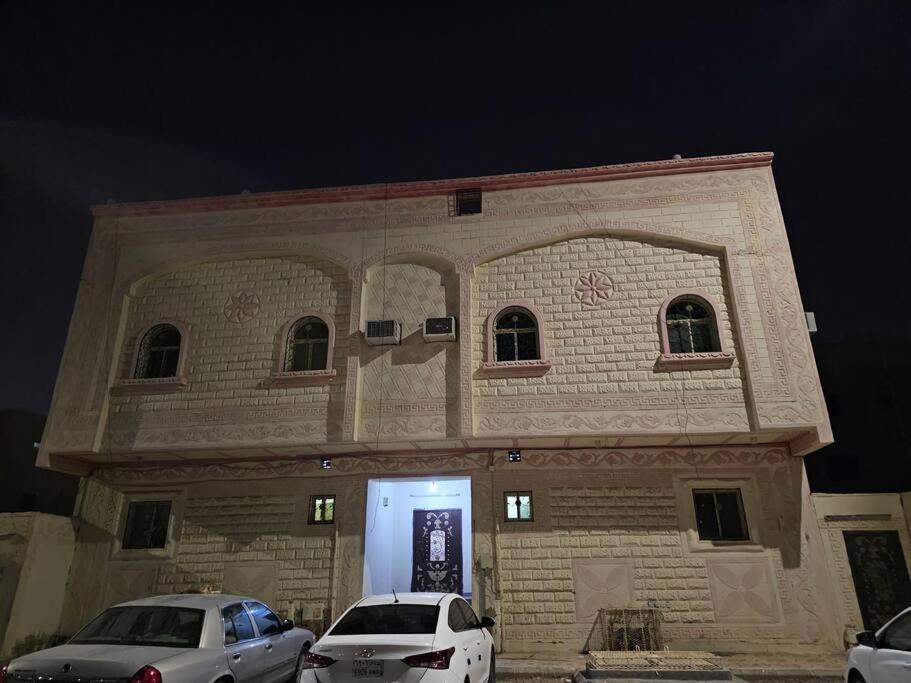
626, 630
467, 202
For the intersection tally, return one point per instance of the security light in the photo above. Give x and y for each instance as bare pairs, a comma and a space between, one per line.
325, 463
515, 456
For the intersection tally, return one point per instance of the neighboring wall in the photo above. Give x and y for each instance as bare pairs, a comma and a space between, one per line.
36, 551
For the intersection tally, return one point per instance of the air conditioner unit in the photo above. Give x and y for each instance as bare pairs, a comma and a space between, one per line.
382, 332
440, 329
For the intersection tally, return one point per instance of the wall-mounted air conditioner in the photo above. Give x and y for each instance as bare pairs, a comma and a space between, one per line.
440, 329
381, 332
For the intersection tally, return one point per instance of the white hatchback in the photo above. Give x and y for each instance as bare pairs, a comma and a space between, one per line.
884, 656
410, 637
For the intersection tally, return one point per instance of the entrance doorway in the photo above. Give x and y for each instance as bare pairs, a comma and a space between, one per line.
880, 574
418, 535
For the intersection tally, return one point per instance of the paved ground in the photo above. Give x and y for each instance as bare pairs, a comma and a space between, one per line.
544, 667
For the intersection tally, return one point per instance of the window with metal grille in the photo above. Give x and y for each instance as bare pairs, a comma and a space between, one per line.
468, 202
307, 346
516, 335
691, 327
322, 509
719, 515
159, 352
519, 506
147, 525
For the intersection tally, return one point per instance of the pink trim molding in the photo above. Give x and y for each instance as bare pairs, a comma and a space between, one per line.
706, 360
155, 385
287, 378
515, 368
426, 188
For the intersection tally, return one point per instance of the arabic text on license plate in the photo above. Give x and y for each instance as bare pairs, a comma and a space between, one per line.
364, 668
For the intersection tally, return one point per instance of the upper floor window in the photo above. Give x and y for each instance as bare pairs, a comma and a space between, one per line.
308, 345
720, 515
516, 335
691, 327
159, 353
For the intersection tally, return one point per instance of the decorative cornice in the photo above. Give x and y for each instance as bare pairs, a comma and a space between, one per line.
509, 181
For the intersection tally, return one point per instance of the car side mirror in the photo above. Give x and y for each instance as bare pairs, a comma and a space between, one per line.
867, 638
287, 625
488, 622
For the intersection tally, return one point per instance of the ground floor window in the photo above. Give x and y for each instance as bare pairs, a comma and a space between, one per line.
719, 515
147, 525
322, 509
519, 506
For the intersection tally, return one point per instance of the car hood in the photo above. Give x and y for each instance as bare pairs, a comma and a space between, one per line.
86, 661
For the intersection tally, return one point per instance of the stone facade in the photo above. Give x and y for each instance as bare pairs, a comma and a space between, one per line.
615, 433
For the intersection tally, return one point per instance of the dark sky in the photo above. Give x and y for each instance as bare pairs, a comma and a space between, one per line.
138, 101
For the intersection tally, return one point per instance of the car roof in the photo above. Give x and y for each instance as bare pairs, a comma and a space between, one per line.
406, 598
188, 600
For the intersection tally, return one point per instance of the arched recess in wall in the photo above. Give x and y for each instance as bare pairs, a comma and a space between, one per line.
410, 388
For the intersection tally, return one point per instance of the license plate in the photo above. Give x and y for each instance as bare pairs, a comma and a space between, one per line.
368, 668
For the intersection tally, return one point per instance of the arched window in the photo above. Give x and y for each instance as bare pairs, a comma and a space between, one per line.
307, 346
159, 353
516, 335
691, 326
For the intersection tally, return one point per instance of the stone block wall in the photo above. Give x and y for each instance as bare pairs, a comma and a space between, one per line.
234, 312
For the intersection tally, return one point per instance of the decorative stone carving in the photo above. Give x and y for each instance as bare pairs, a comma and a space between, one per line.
601, 584
593, 289
743, 590
130, 582
242, 306
257, 579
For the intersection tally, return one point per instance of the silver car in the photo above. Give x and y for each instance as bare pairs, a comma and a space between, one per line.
207, 638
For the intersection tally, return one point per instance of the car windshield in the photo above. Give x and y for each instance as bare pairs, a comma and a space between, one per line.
388, 619
144, 625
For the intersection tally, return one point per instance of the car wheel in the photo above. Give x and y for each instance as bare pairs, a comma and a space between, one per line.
492, 672
855, 677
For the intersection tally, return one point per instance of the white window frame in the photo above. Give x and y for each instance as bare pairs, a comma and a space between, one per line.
686, 514
176, 498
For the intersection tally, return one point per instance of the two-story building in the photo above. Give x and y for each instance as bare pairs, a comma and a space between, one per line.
551, 392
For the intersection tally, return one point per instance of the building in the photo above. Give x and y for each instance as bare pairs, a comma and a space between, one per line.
553, 392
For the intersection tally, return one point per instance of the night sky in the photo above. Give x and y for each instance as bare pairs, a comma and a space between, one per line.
139, 101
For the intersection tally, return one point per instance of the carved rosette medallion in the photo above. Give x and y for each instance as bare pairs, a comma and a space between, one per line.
594, 288
242, 306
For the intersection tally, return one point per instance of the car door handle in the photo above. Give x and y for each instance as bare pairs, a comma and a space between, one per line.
236, 656
268, 646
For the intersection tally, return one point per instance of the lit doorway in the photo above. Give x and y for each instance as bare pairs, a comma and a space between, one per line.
418, 535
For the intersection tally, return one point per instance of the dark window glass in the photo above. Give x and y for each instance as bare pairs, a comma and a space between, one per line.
322, 509
238, 626
266, 621
468, 202
388, 620
471, 619
159, 352
151, 626
308, 345
147, 524
516, 336
456, 617
898, 635
518, 506
691, 328
719, 515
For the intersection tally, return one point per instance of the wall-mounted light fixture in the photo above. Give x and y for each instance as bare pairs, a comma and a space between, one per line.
515, 456
325, 463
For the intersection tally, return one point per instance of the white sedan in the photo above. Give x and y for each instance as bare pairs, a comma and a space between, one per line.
410, 637
884, 656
